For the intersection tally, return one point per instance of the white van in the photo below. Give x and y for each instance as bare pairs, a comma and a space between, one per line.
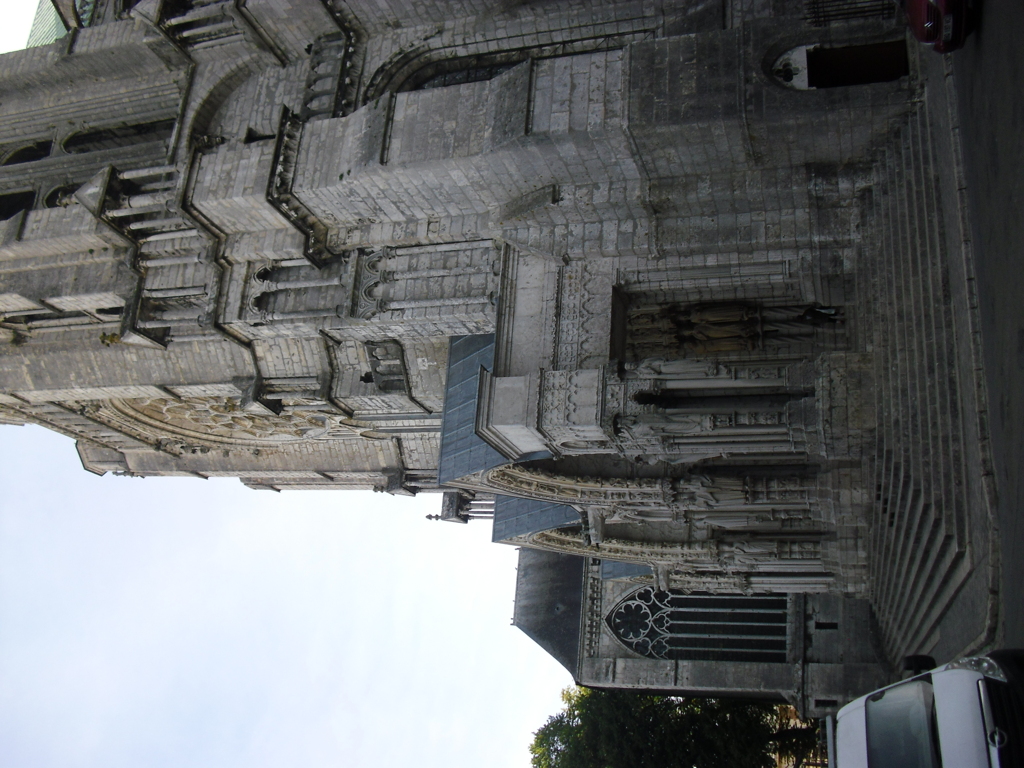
966, 714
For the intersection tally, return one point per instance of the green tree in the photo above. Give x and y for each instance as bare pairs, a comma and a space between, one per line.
621, 729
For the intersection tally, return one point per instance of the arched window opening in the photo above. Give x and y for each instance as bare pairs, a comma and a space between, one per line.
429, 67
674, 625
86, 10
60, 197
414, 73
387, 366
470, 69
119, 138
857, 64
14, 203
811, 67
40, 150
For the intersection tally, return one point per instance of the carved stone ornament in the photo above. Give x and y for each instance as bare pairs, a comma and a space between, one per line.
536, 484
367, 300
571, 411
692, 492
709, 564
581, 308
175, 425
671, 372
699, 555
712, 583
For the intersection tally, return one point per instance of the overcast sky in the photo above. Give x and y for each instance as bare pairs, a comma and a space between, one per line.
182, 622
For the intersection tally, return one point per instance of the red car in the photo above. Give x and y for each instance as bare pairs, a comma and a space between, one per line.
943, 24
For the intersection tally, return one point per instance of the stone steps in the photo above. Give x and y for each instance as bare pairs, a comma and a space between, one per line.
918, 539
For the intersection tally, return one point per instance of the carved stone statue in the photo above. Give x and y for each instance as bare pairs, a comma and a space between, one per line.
595, 524
725, 312
749, 553
733, 520
739, 327
670, 422
712, 346
709, 491
663, 368
709, 331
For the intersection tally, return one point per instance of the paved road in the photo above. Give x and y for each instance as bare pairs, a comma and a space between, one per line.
989, 76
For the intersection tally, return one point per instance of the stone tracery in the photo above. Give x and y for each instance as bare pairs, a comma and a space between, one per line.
671, 624
215, 421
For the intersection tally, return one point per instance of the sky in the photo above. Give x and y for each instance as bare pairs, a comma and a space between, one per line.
185, 622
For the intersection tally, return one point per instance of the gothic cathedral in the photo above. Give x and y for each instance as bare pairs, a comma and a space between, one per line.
632, 278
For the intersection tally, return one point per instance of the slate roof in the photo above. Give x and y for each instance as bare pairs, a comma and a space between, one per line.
463, 452
515, 517
610, 569
549, 603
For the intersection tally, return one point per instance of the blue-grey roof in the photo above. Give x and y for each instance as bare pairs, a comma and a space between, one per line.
549, 603
611, 569
463, 452
515, 517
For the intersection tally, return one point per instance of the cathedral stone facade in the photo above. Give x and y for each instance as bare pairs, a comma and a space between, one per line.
604, 271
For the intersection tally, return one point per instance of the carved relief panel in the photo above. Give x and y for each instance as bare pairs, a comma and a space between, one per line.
295, 290
680, 410
585, 314
570, 412
435, 281
197, 424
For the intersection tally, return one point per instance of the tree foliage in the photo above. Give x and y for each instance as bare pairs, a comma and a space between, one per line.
621, 729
